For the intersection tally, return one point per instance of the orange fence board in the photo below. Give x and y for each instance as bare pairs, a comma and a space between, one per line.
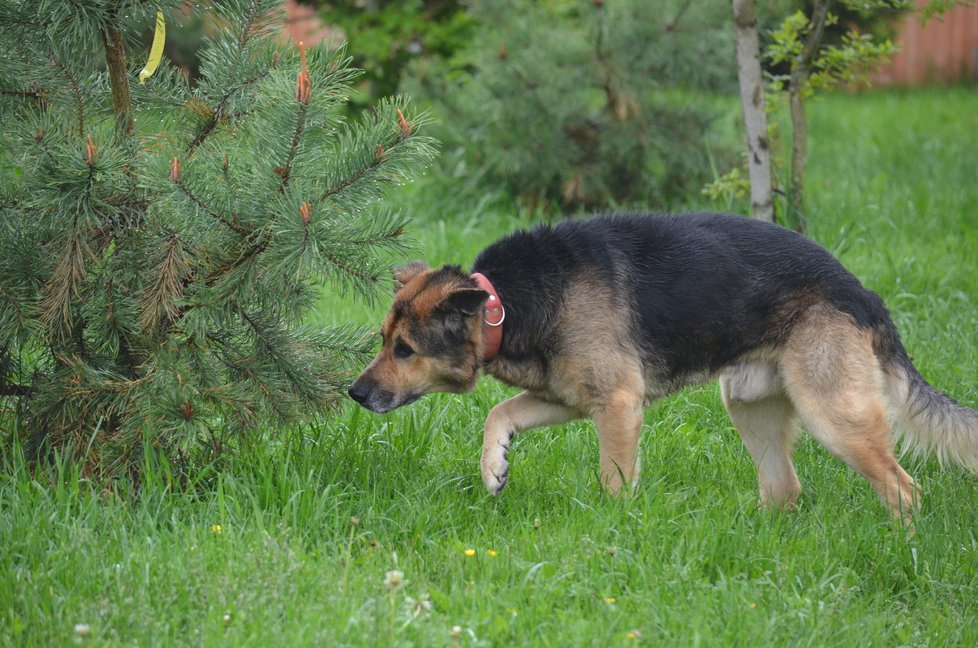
945, 50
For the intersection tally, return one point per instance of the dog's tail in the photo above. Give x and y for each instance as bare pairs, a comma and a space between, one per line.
927, 419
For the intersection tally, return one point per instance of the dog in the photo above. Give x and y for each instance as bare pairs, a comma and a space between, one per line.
597, 318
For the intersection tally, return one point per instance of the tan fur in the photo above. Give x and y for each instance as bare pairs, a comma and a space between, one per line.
597, 375
767, 428
619, 423
507, 419
601, 376
835, 382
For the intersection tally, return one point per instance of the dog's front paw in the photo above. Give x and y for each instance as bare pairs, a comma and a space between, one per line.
495, 468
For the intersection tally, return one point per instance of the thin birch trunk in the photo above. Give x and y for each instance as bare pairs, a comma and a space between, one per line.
755, 118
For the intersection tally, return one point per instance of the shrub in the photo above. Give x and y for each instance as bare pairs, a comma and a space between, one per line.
158, 253
586, 104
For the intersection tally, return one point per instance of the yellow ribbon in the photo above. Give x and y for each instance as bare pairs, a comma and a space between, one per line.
156, 51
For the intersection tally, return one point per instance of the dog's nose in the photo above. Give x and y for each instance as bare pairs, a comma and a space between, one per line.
358, 392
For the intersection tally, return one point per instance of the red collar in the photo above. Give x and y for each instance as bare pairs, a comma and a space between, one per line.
492, 319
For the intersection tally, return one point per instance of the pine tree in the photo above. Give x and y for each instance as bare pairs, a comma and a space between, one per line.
160, 244
587, 105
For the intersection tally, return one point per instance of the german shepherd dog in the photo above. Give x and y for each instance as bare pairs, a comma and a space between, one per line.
597, 318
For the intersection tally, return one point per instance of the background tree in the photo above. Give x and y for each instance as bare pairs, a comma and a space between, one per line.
816, 65
811, 49
584, 105
755, 112
160, 243
386, 36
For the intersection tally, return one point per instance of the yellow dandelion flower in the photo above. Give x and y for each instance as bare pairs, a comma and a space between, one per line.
216, 528
610, 599
470, 552
633, 634
491, 553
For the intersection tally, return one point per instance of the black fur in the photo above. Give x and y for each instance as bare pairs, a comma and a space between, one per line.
704, 289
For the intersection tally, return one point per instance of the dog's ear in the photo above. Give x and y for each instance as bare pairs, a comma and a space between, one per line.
464, 301
407, 272
456, 310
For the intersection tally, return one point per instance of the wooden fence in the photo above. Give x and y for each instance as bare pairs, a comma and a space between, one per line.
942, 51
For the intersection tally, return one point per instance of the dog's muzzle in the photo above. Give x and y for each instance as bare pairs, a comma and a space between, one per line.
377, 399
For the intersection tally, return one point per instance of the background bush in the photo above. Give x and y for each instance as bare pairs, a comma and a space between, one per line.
577, 105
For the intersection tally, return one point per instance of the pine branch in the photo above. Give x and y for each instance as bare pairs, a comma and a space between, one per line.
384, 237
360, 174
13, 304
296, 378
218, 111
76, 89
255, 23
251, 25
39, 138
78, 337
159, 307
111, 316
11, 389
230, 224
350, 270
294, 146
37, 95
243, 258
69, 273
671, 25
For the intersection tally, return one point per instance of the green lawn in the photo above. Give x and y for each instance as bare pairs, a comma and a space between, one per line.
689, 560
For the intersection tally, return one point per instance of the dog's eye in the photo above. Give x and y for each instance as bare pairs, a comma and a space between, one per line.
401, 350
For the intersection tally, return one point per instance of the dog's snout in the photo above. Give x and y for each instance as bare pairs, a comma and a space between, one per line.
358, 392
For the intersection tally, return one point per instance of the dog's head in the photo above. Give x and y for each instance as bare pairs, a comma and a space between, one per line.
431, 339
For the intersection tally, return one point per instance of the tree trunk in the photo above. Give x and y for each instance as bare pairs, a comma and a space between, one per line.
797, 88
799, 149
115, 57
755, 118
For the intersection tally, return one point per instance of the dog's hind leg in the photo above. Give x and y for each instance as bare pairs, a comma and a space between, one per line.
834, 380
506, 420
765, 420
619, 424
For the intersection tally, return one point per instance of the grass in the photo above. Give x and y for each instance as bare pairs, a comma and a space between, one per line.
689, 560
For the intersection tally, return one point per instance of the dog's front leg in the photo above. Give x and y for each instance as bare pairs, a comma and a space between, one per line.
619, 424
505, 420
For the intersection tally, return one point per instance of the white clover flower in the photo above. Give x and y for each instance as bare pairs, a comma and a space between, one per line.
394, 579
418, 607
